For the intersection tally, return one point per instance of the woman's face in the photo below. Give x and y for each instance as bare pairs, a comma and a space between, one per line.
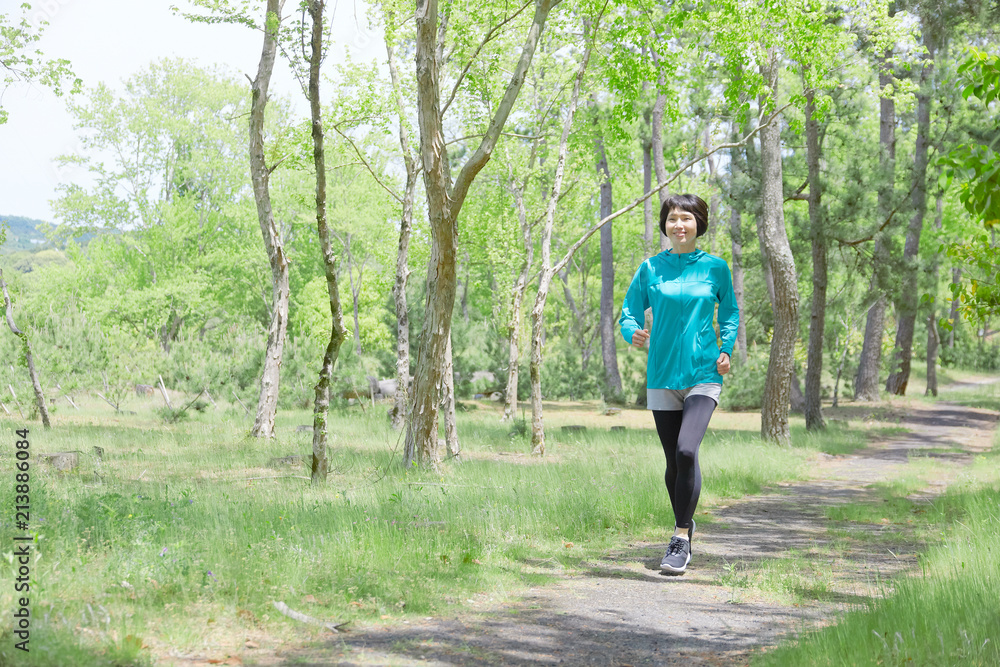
682, 230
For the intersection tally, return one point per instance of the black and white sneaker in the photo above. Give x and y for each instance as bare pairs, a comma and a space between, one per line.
677, 557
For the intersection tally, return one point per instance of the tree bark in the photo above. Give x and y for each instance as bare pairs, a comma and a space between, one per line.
28, 357
321, 406
452, 446
649, 232
817, 316
399, 402
933, 337
866, 383
774, 411
736, 234
267, 404
909, 300
737, 167
444, 202
612, 377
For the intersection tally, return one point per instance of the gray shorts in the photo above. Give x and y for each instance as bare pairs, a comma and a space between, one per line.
673, 399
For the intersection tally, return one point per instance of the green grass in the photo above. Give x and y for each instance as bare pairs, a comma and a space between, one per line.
172, 540
949, 613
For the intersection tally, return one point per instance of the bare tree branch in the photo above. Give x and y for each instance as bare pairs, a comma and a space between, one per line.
687, 165
368, 166
486, 40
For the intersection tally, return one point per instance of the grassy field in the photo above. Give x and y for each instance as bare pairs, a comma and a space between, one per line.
179, 539
950, 613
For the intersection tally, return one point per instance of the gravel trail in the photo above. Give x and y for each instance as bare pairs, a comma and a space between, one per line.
621, 611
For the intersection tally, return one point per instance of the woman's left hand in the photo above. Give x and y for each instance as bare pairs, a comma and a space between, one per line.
722, 363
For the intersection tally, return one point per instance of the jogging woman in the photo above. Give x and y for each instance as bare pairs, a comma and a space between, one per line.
686, 363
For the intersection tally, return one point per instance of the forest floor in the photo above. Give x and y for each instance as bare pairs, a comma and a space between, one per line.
764, 568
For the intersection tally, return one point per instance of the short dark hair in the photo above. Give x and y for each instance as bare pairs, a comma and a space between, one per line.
693, 204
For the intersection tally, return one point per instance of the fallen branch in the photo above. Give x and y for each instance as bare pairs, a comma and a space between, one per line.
302, 618
248, 479
108, 401
240, 402
163, 390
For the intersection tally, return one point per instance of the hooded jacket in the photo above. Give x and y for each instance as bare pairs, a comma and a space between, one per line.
683, 290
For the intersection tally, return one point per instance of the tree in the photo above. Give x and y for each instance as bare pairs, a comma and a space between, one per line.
321, 403
260, 174
445, 197
612, 378
774, 410
866, 383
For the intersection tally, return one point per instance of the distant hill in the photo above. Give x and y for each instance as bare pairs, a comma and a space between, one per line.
22, 234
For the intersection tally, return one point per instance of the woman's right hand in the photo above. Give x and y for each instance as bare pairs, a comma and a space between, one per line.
639, 338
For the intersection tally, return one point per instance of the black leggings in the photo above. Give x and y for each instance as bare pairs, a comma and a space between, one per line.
680, 434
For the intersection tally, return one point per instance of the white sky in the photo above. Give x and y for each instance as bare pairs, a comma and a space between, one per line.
108, 40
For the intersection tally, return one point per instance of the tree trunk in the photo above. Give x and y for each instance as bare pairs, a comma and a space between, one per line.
267, 404
612, 378
909, 300
545, 280
398, 414
736, 235
320, 465
444, 202
737, 167
956, 278
866, 384
28, 357
355, 292
817, 316
649, 232
517, 301
933, 337
452, 447
774, 411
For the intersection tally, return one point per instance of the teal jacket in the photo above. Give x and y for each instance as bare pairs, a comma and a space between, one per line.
682, 290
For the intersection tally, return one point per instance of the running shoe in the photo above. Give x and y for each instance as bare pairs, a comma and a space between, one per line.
678, 555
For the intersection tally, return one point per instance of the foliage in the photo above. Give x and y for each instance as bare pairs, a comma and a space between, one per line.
22, 62
977, 166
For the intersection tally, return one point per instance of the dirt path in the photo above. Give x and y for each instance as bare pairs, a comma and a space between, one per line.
622, 611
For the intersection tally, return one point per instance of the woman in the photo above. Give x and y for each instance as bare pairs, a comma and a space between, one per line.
686, 364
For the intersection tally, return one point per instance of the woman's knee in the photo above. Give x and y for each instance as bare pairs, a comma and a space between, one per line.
687, 455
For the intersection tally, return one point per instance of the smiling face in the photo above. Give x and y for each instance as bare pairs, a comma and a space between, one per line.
682, 230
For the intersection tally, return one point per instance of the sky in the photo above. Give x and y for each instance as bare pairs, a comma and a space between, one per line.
109, 40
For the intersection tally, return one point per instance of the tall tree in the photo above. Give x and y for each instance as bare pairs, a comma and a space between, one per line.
612, 377
866, 383
777, 386
817, 234
547, 268
321, 404
260, 173
906, 306
445, 197
403, 248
